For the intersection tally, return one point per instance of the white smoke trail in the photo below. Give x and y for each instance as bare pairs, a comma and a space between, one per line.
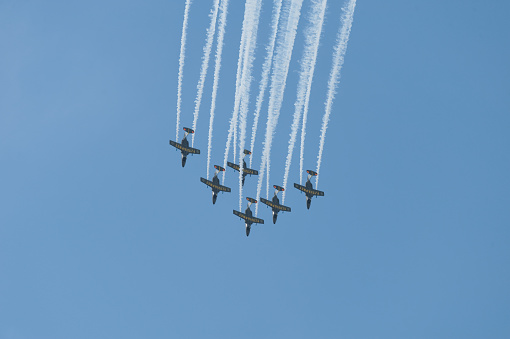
242, 128
309, 58
334, 77
232, 131
249, 10
303, 135
266, 68
205, 64
217, 67
283, 55
246, 84
181, 66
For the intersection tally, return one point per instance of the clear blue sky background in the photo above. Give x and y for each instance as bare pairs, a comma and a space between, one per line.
104, 235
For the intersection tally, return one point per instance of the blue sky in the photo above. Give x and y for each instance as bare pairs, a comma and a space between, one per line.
103, 234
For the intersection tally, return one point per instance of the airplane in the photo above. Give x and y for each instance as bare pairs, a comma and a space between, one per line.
246, 170
215, 184
184, 146
308, 189
248, 216
275, 204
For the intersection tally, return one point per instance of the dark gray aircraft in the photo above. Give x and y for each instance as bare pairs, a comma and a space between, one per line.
246, 170
184, 146
275, 204
215, 184
308, 189
248, 216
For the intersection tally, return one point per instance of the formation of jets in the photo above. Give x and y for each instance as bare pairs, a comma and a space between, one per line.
216, 187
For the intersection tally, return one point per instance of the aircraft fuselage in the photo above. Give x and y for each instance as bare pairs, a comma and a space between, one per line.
244, 173
184, 154
215, 191
276, 201
248, 224
309, 196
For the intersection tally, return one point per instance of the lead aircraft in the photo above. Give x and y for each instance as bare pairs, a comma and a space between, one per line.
184, 146
246, 170
275, 203
308, 189
215, 183
248, 216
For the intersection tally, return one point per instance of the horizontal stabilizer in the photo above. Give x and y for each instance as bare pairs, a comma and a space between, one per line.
276, 206
185, 149
252, 220
247, 152
214, 186
189, 130
309, 190
311, 172
279, 188
219, 168
251, 200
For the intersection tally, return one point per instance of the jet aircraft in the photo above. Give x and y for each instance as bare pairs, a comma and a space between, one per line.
308, 189
246, 170
215, 184
248, 216
184, 146
275, 204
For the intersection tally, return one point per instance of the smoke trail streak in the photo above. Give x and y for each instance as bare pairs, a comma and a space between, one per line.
266, 68
217, 67
246, 84
334, 77
181, 66
232, 131
308, 60
237, 98
205, 64
284, 49
242, 127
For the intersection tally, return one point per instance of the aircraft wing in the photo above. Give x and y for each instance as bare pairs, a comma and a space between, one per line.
185, 149
246, 170
251, 171
234, 166
309, 191
212, 185
272, 205
247, 218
